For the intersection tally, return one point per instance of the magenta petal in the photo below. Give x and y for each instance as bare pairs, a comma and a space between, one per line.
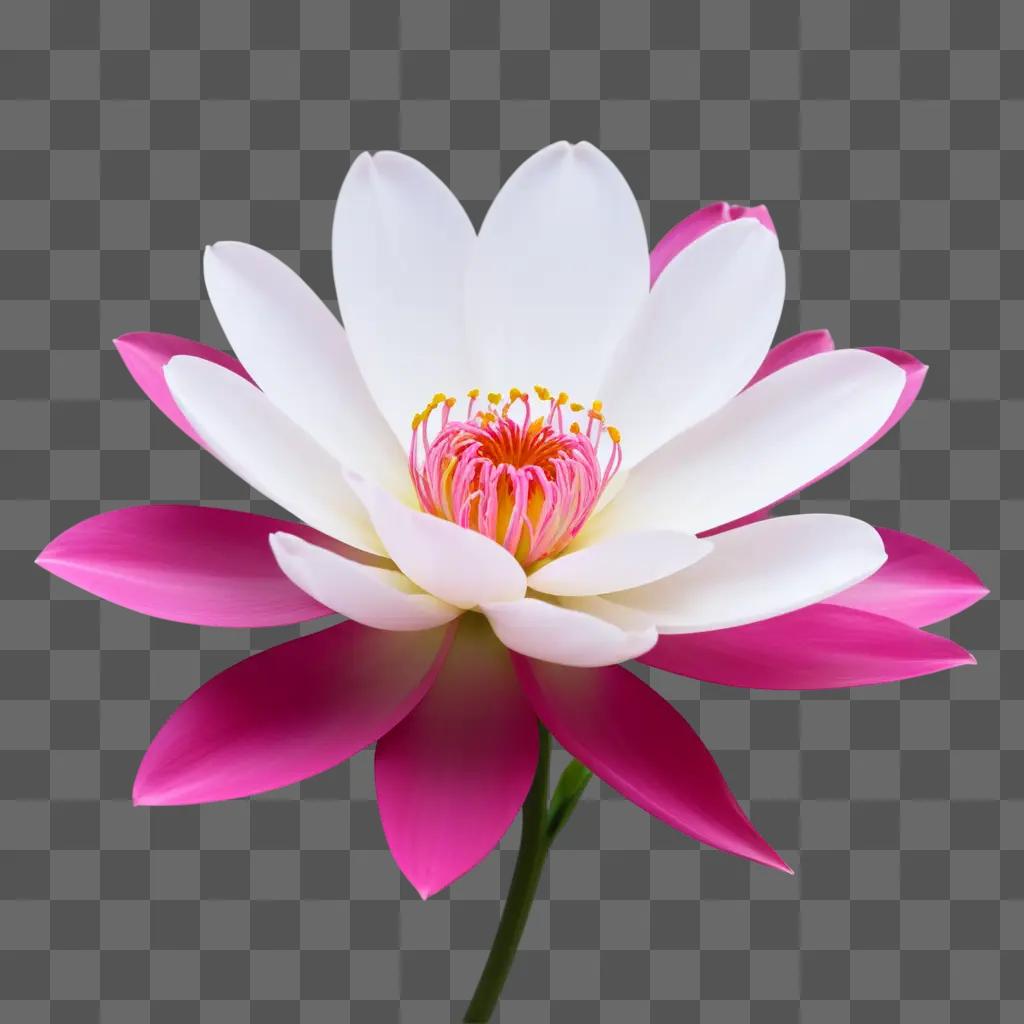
186, 563
792, 350
634, 740
915, 371
699, 223
919, 583
287, 713
453, 775
146, 353
754, 517
822, 647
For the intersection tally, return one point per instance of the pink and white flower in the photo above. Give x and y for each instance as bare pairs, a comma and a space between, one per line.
530, 454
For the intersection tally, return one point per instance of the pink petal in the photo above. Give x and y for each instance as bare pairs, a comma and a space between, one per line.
639, 744
754, 517
915, 372
453, 775
821, 647
146, 353
792, 350
699, 223
289, 712
186, 563
919, 583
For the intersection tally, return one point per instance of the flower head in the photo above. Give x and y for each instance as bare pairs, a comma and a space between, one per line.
498, 540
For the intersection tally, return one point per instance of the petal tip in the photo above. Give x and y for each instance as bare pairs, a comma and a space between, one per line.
54, 555
770, 858
281, 538
135, 347
142, 797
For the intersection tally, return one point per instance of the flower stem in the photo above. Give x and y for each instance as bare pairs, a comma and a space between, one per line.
533, 850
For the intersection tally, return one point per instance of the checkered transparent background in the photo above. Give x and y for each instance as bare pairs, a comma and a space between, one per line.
888, 140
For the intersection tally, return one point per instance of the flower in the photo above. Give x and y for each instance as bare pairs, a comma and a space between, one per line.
531, 454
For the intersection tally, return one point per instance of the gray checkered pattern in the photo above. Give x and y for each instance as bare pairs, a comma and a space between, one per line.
888, 139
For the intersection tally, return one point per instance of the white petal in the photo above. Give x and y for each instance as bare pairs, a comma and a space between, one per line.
457, 565
297, 352
252, 437
400, 246
759, 571
558, 272
629, 619
703, 332
766, 443
618, 562
564, 635
381, 598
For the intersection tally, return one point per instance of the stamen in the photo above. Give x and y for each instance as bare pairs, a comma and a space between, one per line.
527, 482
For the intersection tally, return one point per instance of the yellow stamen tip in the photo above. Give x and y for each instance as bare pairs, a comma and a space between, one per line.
574, 428
576, 407
615, 435
473, 393
438, 398
597, 406
417, 420
542, 393
494, 397
536, 425
449, 402
562, 398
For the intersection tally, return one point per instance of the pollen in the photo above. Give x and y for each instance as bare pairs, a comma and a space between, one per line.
527, 481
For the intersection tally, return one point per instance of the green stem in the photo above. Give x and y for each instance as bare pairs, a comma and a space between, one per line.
533, 849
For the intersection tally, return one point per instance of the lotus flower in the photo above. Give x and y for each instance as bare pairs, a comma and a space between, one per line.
529, 455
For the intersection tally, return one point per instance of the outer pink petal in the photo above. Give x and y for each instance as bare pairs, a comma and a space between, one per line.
792, 350
754, 517
821, 647
638, 743
915, 372
453, 775
146, 353
204, 566
288, 713
919, 583
699, 223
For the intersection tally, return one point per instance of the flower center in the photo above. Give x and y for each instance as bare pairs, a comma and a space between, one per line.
529, 482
